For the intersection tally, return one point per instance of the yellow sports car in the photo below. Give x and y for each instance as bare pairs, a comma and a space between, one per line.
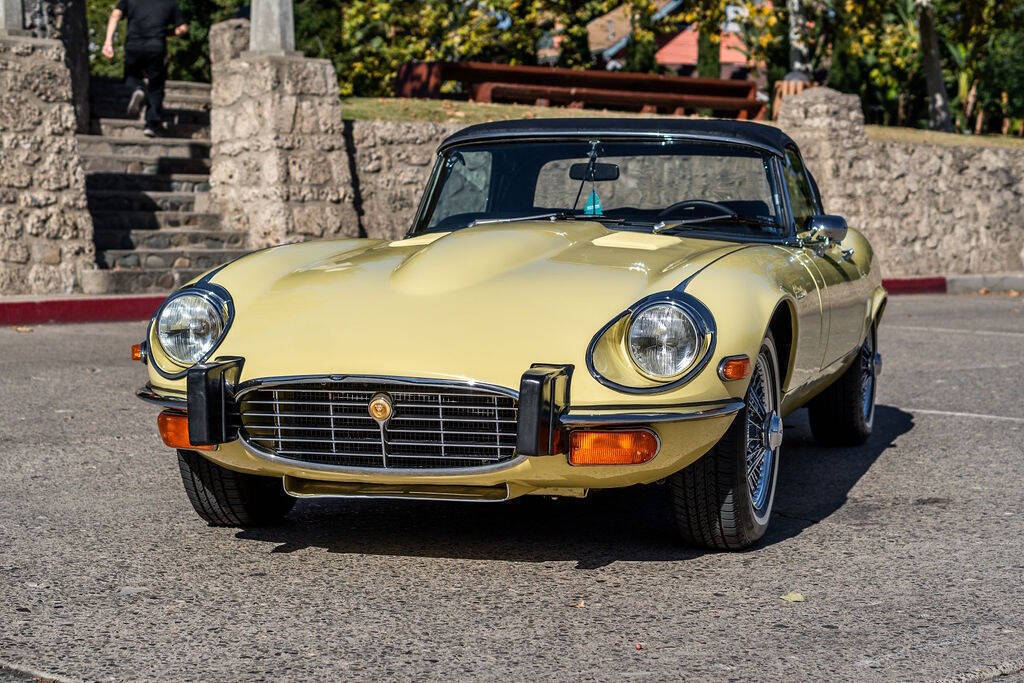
578, 304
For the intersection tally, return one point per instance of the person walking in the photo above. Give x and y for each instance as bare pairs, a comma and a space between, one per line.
145, 53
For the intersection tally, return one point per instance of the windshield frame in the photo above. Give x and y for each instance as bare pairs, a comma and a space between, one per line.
776, 182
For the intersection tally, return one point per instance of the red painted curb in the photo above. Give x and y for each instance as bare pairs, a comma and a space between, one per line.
79, 309
915, 285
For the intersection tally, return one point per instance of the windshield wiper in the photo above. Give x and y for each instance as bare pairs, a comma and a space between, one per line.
551, 216
733, 217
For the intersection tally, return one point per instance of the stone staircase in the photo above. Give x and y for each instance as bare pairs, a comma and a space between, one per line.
148, 197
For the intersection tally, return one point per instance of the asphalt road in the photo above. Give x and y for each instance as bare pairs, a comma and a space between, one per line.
908, 551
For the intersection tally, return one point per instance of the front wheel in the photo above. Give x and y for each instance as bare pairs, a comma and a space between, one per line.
224, 497
723, 500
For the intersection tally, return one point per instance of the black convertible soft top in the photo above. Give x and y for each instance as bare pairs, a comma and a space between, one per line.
759, 135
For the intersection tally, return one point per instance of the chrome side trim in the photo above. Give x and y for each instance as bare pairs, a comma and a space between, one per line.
147, 394
258, 452
570, 420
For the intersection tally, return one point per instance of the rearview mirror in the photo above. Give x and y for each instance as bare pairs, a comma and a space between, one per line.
597, 171
821, 228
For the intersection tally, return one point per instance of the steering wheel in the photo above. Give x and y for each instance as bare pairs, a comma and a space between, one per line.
669, 210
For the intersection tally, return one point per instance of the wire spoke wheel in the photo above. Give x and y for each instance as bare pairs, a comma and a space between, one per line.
762, 419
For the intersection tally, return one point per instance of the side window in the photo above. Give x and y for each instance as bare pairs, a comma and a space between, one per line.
801, 196
467, 186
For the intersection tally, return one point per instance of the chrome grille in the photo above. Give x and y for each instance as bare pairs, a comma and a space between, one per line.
434, 425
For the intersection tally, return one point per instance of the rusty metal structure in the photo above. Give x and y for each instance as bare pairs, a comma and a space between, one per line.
547, 86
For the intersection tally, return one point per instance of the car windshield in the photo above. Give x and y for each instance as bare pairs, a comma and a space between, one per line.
659, 186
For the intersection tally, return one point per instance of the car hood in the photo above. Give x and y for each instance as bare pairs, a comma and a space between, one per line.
481, 303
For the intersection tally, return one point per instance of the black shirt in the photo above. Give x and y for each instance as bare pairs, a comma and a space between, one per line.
148, 21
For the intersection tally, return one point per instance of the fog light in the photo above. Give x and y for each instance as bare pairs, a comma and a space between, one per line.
174, 431
612, 448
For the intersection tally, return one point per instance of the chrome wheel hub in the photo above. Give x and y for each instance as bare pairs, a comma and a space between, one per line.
773, 432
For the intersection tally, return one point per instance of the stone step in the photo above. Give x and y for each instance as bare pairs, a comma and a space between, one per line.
103, 145
130, 200
105, 163
147, 182
109, 97
170, 238
136, 281
133, 128
123, 221
158, 259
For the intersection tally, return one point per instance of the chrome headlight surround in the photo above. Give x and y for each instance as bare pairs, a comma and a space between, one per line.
693, 309
165, 363
684, 318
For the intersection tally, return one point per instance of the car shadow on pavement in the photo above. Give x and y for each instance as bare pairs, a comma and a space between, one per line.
632, 524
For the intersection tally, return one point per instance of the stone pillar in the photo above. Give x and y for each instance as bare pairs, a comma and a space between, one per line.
829, 128
46, 236
228, 40
273, 27
65, 20
279, 166
12, 18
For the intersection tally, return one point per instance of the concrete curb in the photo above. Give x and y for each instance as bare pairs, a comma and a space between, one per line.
78, 309
29, 310
956, 284
915, 285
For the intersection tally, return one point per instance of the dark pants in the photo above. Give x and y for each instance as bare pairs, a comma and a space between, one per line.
151, 66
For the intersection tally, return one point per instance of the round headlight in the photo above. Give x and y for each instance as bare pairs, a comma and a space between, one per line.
190, 326
663, 340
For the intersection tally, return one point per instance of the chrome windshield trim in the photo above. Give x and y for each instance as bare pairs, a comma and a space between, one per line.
147, 394
380, 472
571, 420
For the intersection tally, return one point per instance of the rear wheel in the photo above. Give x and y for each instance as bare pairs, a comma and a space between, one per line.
844, 413
724, 500
224, 497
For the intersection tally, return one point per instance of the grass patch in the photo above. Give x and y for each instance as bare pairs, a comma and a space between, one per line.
456, 111
931, 137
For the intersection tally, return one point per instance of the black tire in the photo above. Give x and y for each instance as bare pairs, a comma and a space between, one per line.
712, 499
844, 413
224, 497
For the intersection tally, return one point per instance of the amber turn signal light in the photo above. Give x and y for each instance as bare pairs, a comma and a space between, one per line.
734, 367
612, 448
137, 352
174, 431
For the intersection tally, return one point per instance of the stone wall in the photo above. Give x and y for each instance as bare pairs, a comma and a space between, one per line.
279, 166
927, 208
392, 162
46, 238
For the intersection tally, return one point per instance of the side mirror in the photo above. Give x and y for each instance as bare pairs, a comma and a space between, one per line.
824, 229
